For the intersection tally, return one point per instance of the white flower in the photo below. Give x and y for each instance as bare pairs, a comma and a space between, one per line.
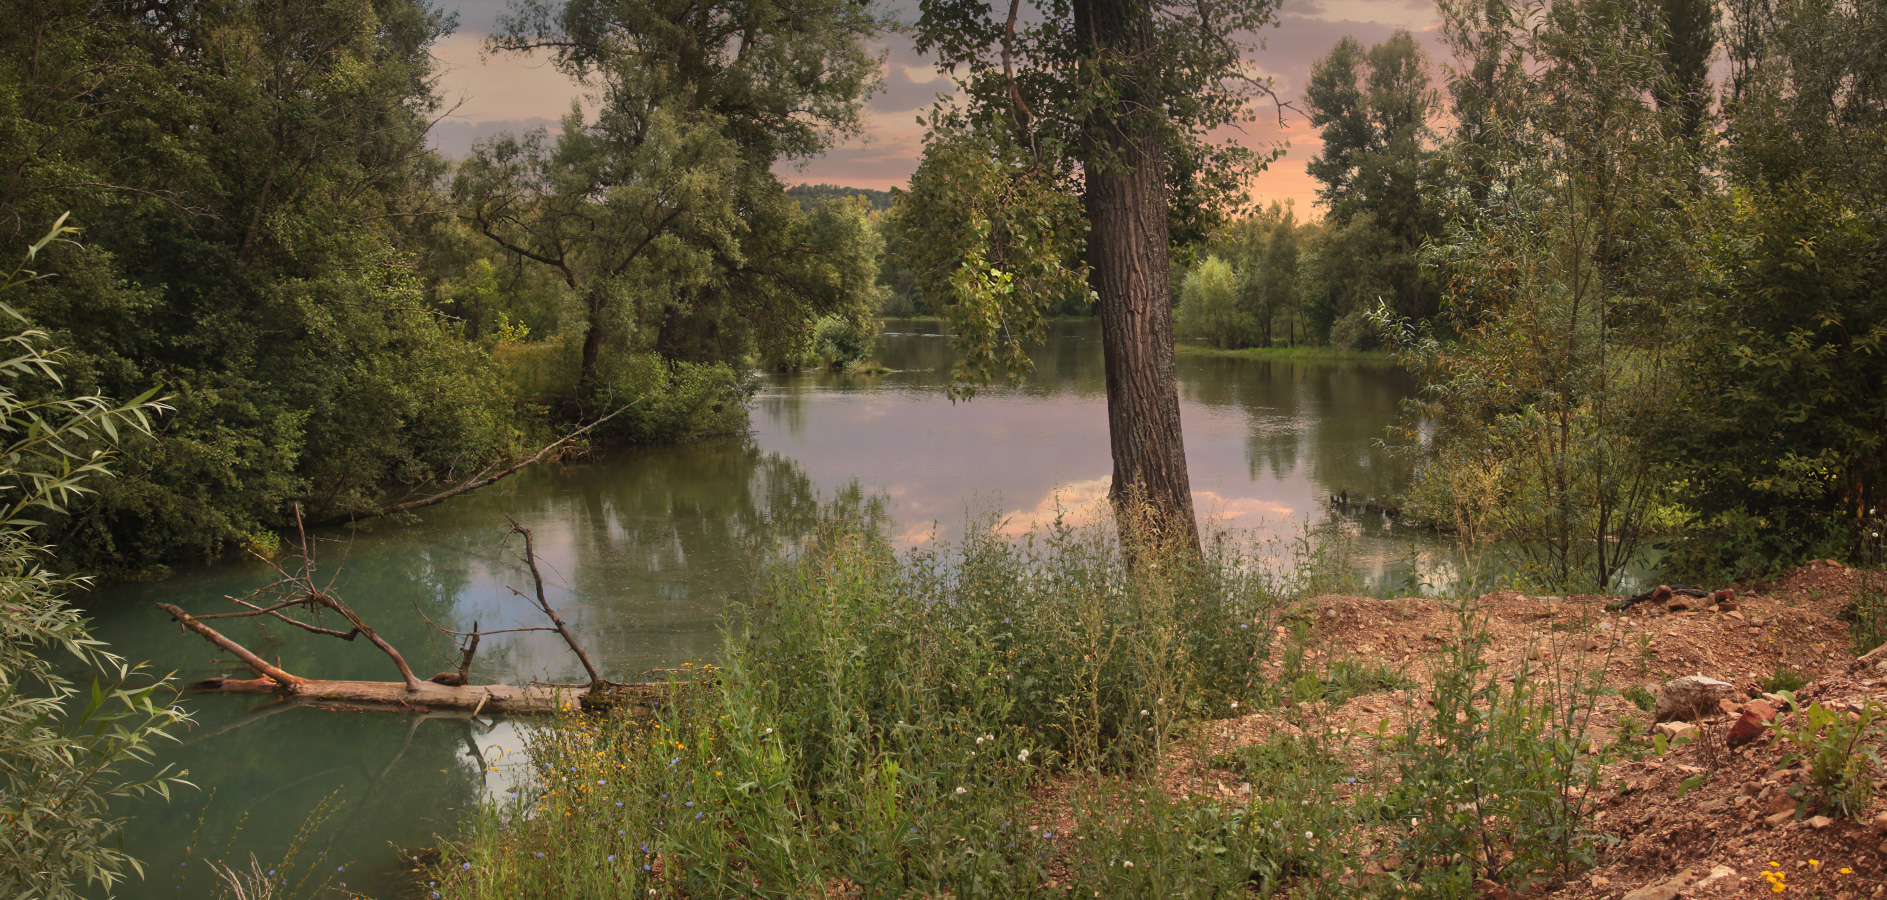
1234, 704
768, 731
1128, 863
962, 790
979, 741
1143, 712
1023, 756
1308, 835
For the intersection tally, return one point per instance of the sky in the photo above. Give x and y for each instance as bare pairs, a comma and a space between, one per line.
494, 94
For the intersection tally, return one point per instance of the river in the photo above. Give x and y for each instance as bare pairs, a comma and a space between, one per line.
642, 550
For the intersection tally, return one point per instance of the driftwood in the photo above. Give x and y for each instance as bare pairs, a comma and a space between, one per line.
532, 699
445, 691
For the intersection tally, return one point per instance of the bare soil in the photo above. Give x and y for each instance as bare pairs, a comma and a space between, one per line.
1723, 833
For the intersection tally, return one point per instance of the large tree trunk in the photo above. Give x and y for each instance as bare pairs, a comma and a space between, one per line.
1125, 199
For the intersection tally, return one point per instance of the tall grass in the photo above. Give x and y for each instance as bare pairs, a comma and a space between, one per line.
985, 720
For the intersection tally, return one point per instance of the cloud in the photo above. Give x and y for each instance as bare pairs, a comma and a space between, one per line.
903, 93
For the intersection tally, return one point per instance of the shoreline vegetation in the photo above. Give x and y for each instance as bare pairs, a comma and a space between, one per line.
1036, 718
1299, 353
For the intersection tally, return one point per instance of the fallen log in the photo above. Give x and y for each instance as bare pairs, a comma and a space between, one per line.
499, 699
445, 691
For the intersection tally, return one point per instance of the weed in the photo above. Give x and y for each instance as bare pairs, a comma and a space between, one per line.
1640, 697
1783, 679
1841, 765
1866, 613
1494, 783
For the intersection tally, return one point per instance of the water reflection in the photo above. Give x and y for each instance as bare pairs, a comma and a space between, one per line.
641, 552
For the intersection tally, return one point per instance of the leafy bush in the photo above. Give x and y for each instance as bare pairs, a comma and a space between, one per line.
1841, 764
673, 401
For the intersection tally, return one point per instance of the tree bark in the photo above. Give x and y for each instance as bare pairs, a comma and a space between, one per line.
1128, 262
596, 303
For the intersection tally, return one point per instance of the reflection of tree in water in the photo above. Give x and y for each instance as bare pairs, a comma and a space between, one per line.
643, 549
1329, 414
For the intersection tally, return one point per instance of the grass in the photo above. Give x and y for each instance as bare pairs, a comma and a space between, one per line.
1291, 353
993, 720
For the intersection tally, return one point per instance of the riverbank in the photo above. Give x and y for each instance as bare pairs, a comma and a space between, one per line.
1332, 354
1041, 721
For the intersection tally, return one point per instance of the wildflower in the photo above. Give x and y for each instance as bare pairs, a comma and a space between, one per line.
1023, 756
466, 866
612, 858
1309, 836
1128, 863
962, 790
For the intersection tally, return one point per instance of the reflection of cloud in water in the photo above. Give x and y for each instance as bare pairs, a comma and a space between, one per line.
1212, 505
1080, 503
1076, 503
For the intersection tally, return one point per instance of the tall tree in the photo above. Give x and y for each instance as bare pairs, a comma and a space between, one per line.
1111, 99
663, 213
1373, 108
1690, 40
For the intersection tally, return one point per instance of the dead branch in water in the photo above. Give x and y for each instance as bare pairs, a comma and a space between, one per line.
299, 589
537, 578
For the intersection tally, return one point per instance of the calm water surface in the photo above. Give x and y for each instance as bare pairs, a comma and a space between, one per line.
643, 549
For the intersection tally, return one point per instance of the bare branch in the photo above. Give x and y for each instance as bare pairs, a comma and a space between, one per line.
537, 578
254, 662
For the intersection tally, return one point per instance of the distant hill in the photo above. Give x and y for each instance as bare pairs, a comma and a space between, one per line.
808, 194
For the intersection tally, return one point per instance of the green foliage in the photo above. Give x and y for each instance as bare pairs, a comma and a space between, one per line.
1643, 699
1776, 424
673, 401
1537, 409
246, 173
1496, 781
1841, 760
994, 244
1209, 307
663, 213
66, 752
1377, 160
1784, 679
881, 719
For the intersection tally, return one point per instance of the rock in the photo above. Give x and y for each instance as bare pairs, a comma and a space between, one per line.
1779, 801
1750, 725
1779, 819
1668, 890
1819, 822
1691, 696
1879, 825
1717, 874
1674, 730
